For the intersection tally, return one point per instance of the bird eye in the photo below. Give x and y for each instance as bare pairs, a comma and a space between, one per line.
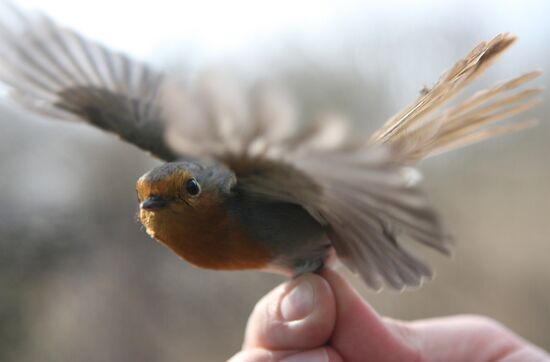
192, 187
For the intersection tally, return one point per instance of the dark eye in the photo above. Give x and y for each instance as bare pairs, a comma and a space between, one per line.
192, 187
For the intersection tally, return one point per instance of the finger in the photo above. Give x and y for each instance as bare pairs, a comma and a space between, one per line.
527, 353
360, 334
470, 337
253, 355
297, 315
323, 354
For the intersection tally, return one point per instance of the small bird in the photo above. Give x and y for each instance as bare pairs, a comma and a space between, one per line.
247, 185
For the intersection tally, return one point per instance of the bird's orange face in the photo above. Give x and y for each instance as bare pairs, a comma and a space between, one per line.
191, 219
176, 191
168, 202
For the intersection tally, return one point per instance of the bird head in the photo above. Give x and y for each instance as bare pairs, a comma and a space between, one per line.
181, 193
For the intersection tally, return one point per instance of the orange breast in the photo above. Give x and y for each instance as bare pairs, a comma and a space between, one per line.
206, 237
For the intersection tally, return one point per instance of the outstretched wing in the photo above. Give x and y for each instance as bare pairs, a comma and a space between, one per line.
56, 72
369, 199
366, 191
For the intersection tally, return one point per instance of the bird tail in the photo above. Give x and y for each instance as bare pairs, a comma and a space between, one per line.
422, 130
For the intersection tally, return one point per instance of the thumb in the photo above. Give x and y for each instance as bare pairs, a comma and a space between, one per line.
297, 315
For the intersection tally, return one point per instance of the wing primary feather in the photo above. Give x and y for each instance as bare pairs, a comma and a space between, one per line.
56, 72
61, 39
416, 135
46, 52
33, 74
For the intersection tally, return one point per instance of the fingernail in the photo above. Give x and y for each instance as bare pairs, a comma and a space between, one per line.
318, 355
298, 303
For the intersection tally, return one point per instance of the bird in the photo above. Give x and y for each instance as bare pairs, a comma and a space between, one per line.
245, 183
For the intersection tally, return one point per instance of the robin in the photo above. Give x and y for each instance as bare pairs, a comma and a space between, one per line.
245, 186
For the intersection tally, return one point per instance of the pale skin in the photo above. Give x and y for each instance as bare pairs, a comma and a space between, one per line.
321, 318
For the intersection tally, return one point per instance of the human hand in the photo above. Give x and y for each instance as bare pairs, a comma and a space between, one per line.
321, 318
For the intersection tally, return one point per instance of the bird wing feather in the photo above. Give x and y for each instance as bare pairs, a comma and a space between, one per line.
56, 72
368, 201
425, 129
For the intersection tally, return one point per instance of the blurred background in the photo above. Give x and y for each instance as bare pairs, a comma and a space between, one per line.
81, 281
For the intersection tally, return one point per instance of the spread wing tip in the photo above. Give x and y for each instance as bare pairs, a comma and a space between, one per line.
419, 131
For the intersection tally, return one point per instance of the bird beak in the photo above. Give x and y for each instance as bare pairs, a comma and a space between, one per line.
153, 203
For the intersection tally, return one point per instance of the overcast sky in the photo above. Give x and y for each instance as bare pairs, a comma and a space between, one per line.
214, 29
